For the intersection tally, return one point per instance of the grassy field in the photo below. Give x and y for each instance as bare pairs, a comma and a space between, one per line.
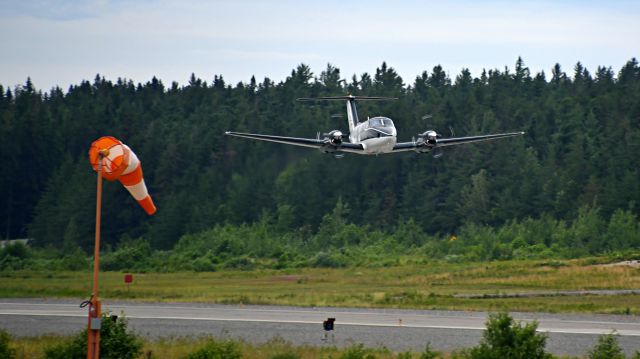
409, 285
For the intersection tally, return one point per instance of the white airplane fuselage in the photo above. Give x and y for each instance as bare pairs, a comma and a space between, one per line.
377, 135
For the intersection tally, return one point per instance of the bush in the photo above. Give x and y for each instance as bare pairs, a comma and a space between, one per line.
217, 350
328, 260
6, 352
14, 256
357, 352
607, 348
115, 342
131, 255
287, 355
16, 250
506, 339
75, 348
429, 353
242, 263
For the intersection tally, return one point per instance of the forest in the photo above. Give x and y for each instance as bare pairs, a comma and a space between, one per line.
569, 187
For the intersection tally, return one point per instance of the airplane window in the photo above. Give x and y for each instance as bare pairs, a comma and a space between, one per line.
388, 122
375, 122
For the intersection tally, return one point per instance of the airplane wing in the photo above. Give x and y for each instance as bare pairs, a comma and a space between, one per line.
423, 146
304, 142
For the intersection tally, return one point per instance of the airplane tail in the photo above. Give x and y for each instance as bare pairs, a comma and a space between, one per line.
352, 113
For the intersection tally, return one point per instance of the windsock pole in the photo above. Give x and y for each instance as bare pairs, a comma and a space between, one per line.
112, 160
95, 310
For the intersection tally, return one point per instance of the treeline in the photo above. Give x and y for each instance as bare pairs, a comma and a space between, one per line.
579, 161
266, 244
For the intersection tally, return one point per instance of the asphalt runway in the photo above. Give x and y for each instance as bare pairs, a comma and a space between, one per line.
398, 330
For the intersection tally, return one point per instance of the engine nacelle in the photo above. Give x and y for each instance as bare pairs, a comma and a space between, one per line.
332, 141
431, 137
335, 137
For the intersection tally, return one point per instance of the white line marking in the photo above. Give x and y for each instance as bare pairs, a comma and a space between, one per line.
328, 312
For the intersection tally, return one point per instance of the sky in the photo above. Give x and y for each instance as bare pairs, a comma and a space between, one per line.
60, 43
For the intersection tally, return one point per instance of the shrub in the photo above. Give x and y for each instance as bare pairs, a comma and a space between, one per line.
242, 263
429, 353
356, 352
287, 355
507, 339
75, 348
132, 254
16, 250
115, 342
328, 260
607, 348
217, 350
14, 256
5, 346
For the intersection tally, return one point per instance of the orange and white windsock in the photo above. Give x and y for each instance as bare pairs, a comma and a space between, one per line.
118, 162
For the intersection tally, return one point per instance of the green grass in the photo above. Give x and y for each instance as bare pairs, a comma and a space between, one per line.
176, 348
427, 286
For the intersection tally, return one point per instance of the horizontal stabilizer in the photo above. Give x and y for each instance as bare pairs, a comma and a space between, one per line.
348, 97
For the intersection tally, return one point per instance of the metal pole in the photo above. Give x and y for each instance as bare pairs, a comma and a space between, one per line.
95, 314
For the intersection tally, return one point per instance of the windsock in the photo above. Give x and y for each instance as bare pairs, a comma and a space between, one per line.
120, 163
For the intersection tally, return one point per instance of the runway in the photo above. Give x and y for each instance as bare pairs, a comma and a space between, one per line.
397, 330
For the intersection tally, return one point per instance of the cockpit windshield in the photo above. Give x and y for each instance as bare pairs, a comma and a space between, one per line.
380, 122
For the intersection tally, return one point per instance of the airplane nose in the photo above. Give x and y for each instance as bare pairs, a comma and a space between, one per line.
387, 131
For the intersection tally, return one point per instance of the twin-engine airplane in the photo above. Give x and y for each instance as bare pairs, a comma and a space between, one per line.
376, 135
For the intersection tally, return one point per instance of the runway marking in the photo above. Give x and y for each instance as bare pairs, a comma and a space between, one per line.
318, 312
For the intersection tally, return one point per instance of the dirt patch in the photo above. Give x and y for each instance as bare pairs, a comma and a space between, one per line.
633, 264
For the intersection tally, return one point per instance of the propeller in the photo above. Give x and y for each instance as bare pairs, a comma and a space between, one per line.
428, 138
334, 137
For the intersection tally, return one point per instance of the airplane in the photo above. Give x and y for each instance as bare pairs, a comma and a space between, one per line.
375, 136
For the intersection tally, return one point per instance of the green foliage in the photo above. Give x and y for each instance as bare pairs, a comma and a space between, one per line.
15, 250
507, 339
116, 342
429, 353
13, 256
607, 348
357, 351
131, 255
74, 348
6, 351
217, 350
287, 355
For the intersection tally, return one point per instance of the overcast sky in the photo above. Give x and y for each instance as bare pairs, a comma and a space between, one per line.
63, 42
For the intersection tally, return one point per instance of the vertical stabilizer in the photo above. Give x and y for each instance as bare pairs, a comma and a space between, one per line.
352, 113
